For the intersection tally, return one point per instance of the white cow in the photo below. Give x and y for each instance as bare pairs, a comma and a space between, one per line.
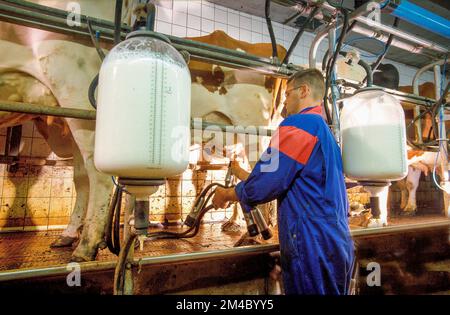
46, 68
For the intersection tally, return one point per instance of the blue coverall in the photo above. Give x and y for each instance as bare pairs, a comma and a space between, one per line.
302, 168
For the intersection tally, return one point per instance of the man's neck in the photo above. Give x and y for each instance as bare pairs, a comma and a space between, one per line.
309, 104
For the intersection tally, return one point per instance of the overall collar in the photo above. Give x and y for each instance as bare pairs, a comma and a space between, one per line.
312, 110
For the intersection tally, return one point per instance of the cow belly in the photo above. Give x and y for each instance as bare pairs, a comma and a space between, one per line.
20, 87
243, 104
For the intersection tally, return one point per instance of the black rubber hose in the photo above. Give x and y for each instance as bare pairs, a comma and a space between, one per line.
117, 38
325, 56
109, 223
299, 34
333, 62
435, 111
112, 234
271, 33
116, 231
150, 26
118, 22
119, 274
369, 72
91, 91
376, 64
100, 52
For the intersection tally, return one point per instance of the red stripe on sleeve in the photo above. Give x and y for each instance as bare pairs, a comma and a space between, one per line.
294, 142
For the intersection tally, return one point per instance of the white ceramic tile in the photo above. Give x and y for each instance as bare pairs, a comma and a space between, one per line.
164, 27
241, 13
194, 22
245, 23
192, 32
180, 6
220, 16
208, 3
165, 3
233, 31
207, 25
163, 14
278, 30
288, 35
257, 26
179, 31
245, 35
233, 19
207, 12
257, 38
180, 18
195, 7
220, 26
265, 30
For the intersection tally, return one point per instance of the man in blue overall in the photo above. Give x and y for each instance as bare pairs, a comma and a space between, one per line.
302, 169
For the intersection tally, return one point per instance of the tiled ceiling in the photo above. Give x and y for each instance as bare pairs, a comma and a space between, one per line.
281, 10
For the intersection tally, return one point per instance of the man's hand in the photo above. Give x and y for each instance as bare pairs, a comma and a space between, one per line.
223, 196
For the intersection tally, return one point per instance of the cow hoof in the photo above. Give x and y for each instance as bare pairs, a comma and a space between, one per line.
79, 258
374, 223
63, 241
247, 240
102, 245
82, 255
408, 213
231, 226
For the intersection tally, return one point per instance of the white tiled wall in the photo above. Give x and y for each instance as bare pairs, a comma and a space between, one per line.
199, 17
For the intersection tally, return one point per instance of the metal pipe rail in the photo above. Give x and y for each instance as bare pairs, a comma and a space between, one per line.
414, 100
55, 20
420, 44
35, 109
61, 270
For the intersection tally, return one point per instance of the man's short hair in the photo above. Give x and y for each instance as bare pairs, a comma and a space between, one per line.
311, 77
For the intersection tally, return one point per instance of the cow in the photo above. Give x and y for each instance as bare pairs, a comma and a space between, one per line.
234, 97
39, 63
53, 69
419, 161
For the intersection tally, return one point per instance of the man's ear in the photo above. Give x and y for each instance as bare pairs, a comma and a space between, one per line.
305, 90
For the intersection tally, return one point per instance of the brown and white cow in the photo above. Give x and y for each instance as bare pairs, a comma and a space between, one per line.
61, 71
418, 161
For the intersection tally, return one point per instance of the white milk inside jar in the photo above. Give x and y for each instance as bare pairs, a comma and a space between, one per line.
143, 111
373, 137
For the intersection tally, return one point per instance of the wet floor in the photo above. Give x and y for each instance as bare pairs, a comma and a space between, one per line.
32, 249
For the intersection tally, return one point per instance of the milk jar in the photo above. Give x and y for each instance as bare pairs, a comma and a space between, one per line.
143, 109
373, 137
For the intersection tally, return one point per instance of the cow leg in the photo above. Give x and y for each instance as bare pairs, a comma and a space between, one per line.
412, 182
100, 189
232, 224
404, 193
81, 181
